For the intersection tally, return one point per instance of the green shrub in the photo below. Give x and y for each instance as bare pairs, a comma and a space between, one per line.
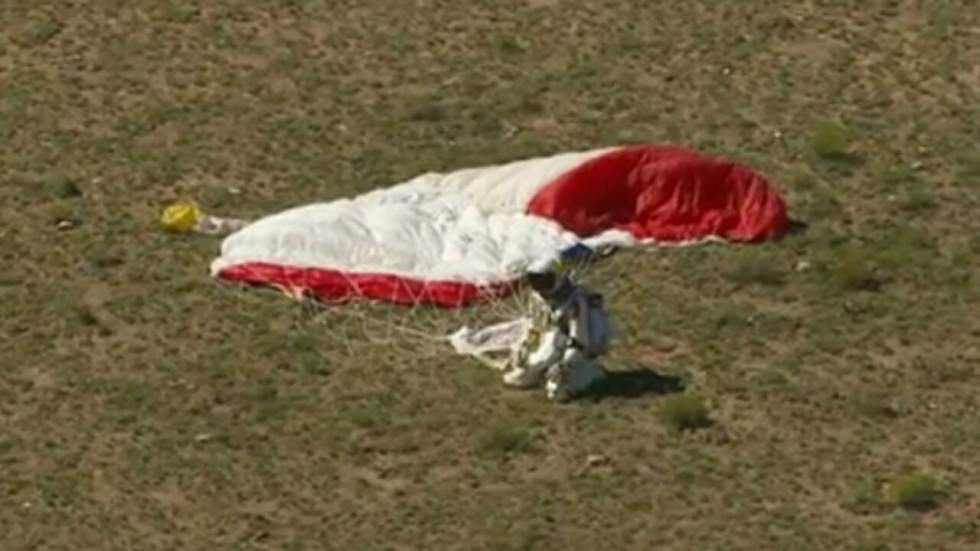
830, 141
917, 492
685, 412
65, 188
505, 439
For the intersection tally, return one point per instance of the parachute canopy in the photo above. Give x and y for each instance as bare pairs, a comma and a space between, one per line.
454, 238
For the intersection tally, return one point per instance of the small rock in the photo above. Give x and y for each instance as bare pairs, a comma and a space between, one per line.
203, 437
64, 225
803, 265
917, 165
234, 190
777, 134
596, 460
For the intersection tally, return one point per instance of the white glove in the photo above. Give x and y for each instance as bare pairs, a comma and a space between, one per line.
549, 351
528, 373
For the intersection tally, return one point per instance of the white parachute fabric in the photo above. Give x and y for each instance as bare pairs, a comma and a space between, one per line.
491, 342
465, 226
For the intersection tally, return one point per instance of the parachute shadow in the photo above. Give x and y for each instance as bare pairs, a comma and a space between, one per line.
797, 227
637, 382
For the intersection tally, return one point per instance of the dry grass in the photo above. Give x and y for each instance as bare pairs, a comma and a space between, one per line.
146, 406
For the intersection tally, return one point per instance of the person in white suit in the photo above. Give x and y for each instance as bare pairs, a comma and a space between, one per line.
574, 330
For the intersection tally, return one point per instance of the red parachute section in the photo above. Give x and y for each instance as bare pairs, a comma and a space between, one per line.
665, 193
339, 287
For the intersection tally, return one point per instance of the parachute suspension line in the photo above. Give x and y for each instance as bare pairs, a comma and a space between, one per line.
418, 327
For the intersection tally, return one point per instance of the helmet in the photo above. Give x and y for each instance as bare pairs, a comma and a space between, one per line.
546, 276
547, 265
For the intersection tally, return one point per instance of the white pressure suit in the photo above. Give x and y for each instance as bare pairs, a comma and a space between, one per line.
575, 333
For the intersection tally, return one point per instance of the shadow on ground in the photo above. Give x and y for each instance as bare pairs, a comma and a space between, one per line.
636, 383
797, 227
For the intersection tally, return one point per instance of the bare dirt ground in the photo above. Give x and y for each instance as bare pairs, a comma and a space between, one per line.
144, 405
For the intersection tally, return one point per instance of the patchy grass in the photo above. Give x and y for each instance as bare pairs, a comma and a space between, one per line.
969, 168
757, 269
40, 31
856, 270
919, 199
866, 498
144, 405
877, 407
505, 439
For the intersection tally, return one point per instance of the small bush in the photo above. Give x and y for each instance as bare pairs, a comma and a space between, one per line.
917, 493
685, 412
65, 188
502, 440
830, 141
855, 272
509, 45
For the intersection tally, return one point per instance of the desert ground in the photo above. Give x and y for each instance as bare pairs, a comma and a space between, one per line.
825, 395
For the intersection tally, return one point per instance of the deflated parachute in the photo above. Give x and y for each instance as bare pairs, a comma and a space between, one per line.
454, 238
